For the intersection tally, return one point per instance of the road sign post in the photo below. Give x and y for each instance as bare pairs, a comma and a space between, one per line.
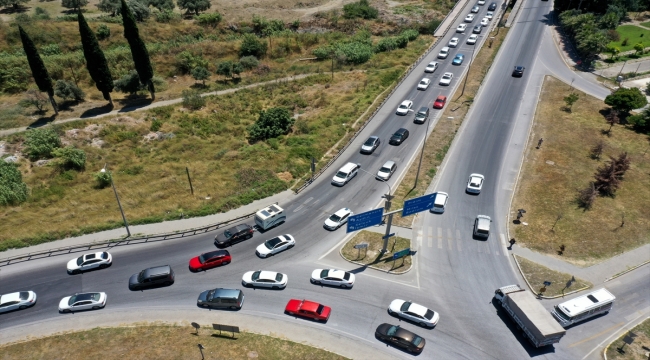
388, 198
361, 246
400, 254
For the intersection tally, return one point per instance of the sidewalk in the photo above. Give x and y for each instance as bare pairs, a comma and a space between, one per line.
635, 66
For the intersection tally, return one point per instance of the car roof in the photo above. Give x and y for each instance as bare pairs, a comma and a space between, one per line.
425, 79
9, 297
477, 176
336, 273
309, 305
401, 131
519, 67
446, 48
267, 275
442, 196
158, 270
460, 55
447, 74
221, 292
343, 211
441, 97
389, 163
85, 296
404, 334
407, 102
417, 309
433, 63
215, 253
373, 137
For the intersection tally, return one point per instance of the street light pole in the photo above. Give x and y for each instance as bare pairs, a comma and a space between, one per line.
424, 141
126, 224
387, 205
469, 66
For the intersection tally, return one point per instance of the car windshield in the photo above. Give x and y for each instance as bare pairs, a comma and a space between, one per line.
403, 106
320, 309
405, 306
256, 275
429, 314
323, 273
202, 258
80, 260
270, 244
341, 174
279, 277
417, 340
104, 255
210, 295
346, 276
227, 234
72, 299
392, 330
24, 295
335, 218
141, 276
423, 82
397, 135
384, 170
475, 182
446, 76
370, 142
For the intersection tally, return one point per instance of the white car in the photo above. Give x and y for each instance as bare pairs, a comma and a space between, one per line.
446, 78
485, 21
332, 277
475, 183
481, 2
424, 84
275, 245
338, 219
461, 28
404, 107
386, 171
489, 15
453, 42
267, 279
431, 67
17, 301
98, 260
471, 40
444, 52
440, 202
475, 9
469, 18
83, 301
414, 312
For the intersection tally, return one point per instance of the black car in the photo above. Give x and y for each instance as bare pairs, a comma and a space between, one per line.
370, 145
399, 137
518, 71
492, 6
152, 277
234, 234
397, 336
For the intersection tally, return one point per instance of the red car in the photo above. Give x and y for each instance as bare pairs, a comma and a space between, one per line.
308, 309
210, 260
440, 102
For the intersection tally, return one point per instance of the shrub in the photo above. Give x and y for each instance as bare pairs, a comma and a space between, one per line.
39, 143
322, 53
67, 90
354, 52
103, 179
103, 32
271, 123
429, 27
211, 19
361, 9
50, 49
129, 83
186, 61
625, 41
386, 44
166, 16
194, 6
410, 34
162, 5
249, 62
251, 45
200, 73
70, 157
41, 14
237, 69
193, 100
34, 98
402, 41
74, 4
13, 190
224, 68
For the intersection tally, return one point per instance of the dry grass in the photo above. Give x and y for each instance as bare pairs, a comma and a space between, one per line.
552, 176
150, 175
372, 256
536, 274
638, 350
160, 342
443, 134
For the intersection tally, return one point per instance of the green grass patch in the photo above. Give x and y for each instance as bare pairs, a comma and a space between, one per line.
561, 283
163, 342
372, 256
634, 35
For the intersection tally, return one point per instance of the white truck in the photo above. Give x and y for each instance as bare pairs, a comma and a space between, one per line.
536, 323
269, 217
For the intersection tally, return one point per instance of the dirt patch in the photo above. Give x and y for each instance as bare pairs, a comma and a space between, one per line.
561, 283
372, 256
637, 350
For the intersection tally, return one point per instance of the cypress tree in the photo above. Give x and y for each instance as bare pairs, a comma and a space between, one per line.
138, 49
95, 60
39, 71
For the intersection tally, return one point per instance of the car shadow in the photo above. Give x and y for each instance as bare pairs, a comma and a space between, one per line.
220, 309
306, 318
332, 286
151, 287
263, 288
512, 326
81, 272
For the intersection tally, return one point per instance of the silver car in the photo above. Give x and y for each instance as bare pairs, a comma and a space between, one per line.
386, 171
17, 301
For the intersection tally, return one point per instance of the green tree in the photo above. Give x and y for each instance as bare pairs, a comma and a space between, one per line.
67, 90
194, 6
95, 60
138, 50
641, 122
249, 62
624, 100
70, 157
162, 4
109, 6
237, 68
224, 68
129, 83
39, 143
638, 48
211, 19
570, 99
13, 190
39, 71
361, 9
200, 73
270, 124
251, 45
74, 4
13, 3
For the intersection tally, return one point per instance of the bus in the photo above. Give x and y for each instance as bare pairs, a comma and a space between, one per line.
583, 307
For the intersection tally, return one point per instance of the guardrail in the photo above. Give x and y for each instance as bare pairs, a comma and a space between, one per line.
114, 243
370, 118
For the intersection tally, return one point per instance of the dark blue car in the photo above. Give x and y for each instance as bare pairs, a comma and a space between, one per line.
458, 59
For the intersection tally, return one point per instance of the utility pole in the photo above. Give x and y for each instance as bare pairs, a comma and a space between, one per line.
387, 204
126, 224
424, 141
469, 66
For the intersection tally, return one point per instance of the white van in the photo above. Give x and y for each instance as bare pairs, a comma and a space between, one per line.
440, 202
584, 307
482, 226
270, 216
345, 174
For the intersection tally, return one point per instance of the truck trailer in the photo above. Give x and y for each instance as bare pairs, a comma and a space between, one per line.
536, 323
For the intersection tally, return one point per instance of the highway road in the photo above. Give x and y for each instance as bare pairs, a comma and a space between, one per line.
454, 274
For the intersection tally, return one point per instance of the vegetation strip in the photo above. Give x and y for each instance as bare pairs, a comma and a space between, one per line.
372, 257
562, 284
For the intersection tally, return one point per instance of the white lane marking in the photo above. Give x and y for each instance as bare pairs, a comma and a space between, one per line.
430, 242
299, 208
316, 202
439, 243
503, 239
308, 200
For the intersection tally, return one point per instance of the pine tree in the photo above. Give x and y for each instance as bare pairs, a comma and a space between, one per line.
608, 178
39, 71
138, 49
95, 60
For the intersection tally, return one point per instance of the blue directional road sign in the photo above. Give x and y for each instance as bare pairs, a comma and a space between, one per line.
364, 220
401, 253
415, 205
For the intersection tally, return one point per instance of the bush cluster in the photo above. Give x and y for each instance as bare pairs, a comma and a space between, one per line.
39, 143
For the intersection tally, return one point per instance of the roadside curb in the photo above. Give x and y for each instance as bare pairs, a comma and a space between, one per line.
627, 271
375, 268
533, 290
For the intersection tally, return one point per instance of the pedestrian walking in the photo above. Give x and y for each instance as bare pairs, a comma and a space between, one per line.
539, 143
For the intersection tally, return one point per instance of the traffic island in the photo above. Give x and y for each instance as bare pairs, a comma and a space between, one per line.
632, 345
162, 342
538, 278
371, 255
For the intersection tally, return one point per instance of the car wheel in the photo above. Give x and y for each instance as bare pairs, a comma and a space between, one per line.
249, 236
225, 263
22, 307
275, 288
316, 282
167, 283
76, 272
205, 305
67, 311
343, 286
233, 308
103, 266
423, 324
95, 307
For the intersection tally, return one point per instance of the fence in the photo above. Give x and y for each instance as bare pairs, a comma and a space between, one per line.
370, 118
